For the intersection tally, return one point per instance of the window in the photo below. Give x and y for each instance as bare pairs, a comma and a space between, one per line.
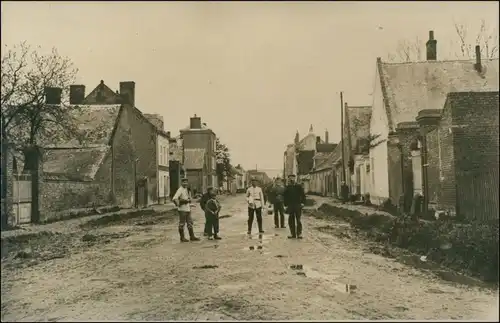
213, 163
160, 187
161, 156
165, 155
166, 185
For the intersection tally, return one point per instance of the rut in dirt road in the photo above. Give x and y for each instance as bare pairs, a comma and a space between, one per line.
149, 275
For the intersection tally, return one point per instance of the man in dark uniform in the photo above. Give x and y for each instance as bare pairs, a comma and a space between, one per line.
203, 201
276, 198
344, 192
294, 200
212, 209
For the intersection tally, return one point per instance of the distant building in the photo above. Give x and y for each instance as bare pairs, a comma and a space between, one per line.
199, 155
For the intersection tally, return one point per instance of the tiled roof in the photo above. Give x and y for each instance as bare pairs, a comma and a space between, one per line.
300, 145
411, 87
358, 121
330, 160
74, 163
95, 124
194, 158
325, 148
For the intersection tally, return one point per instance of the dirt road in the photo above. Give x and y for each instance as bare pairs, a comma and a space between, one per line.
138, 270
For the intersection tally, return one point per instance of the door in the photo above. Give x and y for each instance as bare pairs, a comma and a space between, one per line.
142, 193
22, 198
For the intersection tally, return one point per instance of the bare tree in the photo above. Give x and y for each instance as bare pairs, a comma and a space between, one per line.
461, 48
26, 118
407, 51
486, 39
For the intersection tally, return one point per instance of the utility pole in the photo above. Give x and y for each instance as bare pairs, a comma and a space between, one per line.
342, 134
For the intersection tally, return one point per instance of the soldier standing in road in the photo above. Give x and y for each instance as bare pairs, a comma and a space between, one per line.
182, 200
255, 199
294, 200
203, 201
276, 196
212, 209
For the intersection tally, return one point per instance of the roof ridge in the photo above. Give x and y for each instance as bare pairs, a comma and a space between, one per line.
470, 60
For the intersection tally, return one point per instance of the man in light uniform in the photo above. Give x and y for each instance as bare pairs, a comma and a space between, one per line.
255, 199
182, 200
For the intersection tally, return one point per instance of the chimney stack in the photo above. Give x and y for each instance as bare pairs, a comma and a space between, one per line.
431, 46
478, 65
169, 135
53, 95
76, 94
318, 139
326, 136
195, 122
127, 92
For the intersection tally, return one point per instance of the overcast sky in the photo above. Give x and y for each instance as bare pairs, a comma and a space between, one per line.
255, 72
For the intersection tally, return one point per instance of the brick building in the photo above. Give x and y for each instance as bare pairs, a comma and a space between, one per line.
199, 155
145, 133
7, 168
401, 91
461, 154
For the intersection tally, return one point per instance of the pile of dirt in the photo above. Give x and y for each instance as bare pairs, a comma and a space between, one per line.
137, 217
31, 249
471, 248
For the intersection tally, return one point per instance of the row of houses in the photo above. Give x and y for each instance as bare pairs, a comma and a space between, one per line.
123, 157
430, 132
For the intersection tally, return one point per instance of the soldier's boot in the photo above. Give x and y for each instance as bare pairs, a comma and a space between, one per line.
181, 234
192, 236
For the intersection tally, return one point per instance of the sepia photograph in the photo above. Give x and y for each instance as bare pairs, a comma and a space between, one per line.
249, 161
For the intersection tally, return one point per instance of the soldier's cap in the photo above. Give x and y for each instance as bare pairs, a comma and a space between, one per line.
184, 180
254, 178
291, 175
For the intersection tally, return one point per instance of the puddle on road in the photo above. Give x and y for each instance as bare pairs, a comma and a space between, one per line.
331, 280
229, 287
206, 267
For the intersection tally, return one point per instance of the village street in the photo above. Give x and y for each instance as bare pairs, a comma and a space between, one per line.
143, 272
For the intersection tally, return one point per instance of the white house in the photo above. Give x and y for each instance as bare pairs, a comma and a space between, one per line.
163, 166
162, 157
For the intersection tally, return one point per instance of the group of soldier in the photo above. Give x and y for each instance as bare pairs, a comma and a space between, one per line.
289, 199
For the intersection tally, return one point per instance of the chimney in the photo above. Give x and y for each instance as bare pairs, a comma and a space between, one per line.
169, 134
53, 95
478, 65
195, 122
76, 94
326, 136
318, 139
431, 47
296, 139
127, 92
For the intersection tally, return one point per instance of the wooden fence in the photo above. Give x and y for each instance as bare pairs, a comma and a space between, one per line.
477, 194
